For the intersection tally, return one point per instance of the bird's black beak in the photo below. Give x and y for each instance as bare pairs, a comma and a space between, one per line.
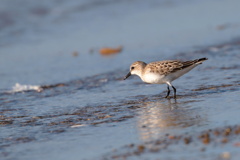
128, 75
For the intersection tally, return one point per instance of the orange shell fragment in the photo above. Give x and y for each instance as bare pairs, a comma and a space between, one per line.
237, 144
109, 51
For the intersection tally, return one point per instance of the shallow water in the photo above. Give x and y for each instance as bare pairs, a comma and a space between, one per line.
72, 103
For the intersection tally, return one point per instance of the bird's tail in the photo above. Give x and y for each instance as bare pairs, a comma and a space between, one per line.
193, 62
200, 60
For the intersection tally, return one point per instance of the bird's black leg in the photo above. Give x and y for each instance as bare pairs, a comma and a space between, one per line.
168, 92
174, 92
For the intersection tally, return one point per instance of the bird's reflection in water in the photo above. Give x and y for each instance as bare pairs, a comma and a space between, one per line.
156, 118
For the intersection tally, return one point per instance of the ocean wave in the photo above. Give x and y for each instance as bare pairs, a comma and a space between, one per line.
23, 88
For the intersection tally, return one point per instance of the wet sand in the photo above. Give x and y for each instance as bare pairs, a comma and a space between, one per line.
163, 125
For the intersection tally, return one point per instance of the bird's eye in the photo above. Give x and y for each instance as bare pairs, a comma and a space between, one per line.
132, 68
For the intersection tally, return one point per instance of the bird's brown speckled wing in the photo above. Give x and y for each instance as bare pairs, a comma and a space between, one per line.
171, 66
164, 67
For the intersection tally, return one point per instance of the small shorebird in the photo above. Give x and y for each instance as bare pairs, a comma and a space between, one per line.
163, 71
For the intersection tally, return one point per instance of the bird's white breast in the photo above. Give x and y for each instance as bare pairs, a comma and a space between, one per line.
153, 78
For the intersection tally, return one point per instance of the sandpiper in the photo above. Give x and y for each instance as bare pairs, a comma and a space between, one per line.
163, 71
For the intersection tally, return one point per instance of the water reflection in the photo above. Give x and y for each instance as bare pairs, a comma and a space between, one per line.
158, 118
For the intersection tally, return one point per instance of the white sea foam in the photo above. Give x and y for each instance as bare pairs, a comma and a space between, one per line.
78, 125
21, 88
